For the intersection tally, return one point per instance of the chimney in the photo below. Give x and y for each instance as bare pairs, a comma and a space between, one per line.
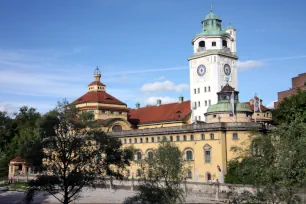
137, 105
181, 99
158, 102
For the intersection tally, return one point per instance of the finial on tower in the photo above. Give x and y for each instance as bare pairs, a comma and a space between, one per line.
97, 74
210, 8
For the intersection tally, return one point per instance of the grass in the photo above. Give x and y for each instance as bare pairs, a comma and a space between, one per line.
15, 186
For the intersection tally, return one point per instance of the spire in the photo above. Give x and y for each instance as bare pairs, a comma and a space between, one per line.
97, 74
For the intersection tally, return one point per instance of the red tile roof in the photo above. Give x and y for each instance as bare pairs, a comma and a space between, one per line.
164, 112
17, 159
98, 96
263, 108
96, 83
105, 108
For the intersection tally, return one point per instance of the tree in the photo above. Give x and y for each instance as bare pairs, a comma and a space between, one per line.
275, 162
76, 154
162, 175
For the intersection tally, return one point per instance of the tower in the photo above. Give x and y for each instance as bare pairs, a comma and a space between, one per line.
212, 65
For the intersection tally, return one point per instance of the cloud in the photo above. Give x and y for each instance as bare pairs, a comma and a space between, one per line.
140, 71
123, 78
271, 105
250, 64
165, 99
12, 107
160, 78
163, 86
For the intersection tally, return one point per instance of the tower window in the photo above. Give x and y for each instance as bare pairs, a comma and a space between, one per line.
141, 140
202, 44
205, 103
224, 43
205, 90
209, 102
209, 89
198, 90
213, 44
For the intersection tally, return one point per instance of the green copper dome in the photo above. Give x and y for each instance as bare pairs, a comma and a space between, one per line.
227, 107
211, 16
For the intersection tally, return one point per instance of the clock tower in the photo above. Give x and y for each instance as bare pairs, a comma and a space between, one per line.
212, 65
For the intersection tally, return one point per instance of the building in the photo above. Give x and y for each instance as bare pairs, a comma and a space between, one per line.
298, 82
212, 65
204, 128
263, 114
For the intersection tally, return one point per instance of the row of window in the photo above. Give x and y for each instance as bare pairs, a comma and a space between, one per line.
188, 154
171, 138
112, 112
197, 91
213, 44
198, 104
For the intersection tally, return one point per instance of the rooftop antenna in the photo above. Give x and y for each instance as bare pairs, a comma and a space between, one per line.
210, 8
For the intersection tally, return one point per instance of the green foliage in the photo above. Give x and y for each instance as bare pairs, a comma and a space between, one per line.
162, 176
75, 154
275, 162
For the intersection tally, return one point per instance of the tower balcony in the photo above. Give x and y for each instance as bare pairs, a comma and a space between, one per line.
202, 50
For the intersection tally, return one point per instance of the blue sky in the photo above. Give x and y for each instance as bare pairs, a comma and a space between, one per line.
49, 49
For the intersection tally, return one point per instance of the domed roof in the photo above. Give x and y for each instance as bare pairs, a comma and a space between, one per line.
211, 16
227, 107
230, 27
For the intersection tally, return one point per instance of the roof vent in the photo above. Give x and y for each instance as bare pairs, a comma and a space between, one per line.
137, 105
158, 103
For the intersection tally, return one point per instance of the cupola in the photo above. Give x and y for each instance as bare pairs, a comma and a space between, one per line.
96, 85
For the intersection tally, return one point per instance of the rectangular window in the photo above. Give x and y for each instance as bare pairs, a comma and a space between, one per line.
191, 137
205, 89
198, 90
147, 140
152, 139
205, 103
199, 103
207, 156
195, 91
209, 102
195, 105
235, 136
209, 89
212, 136
158, 139
213, 44
202, 137
178, 138
184, 137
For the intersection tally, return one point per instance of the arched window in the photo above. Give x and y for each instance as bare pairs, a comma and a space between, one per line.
202, 44
207, 153
191, 137
117, 128
184, 137
189, 155
189, 174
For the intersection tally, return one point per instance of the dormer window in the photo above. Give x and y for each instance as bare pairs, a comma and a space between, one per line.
214, 44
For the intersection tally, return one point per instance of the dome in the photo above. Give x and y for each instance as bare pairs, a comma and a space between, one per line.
211, 16
230, 27
227, 107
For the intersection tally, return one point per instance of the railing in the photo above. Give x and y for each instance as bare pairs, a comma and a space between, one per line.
189, 128
201, 50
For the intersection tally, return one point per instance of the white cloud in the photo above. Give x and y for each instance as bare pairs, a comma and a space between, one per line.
160, 78
166, 99
250, 64
147, 70
271, 105
164, 86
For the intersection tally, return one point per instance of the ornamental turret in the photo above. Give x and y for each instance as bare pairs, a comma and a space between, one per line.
96, 85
